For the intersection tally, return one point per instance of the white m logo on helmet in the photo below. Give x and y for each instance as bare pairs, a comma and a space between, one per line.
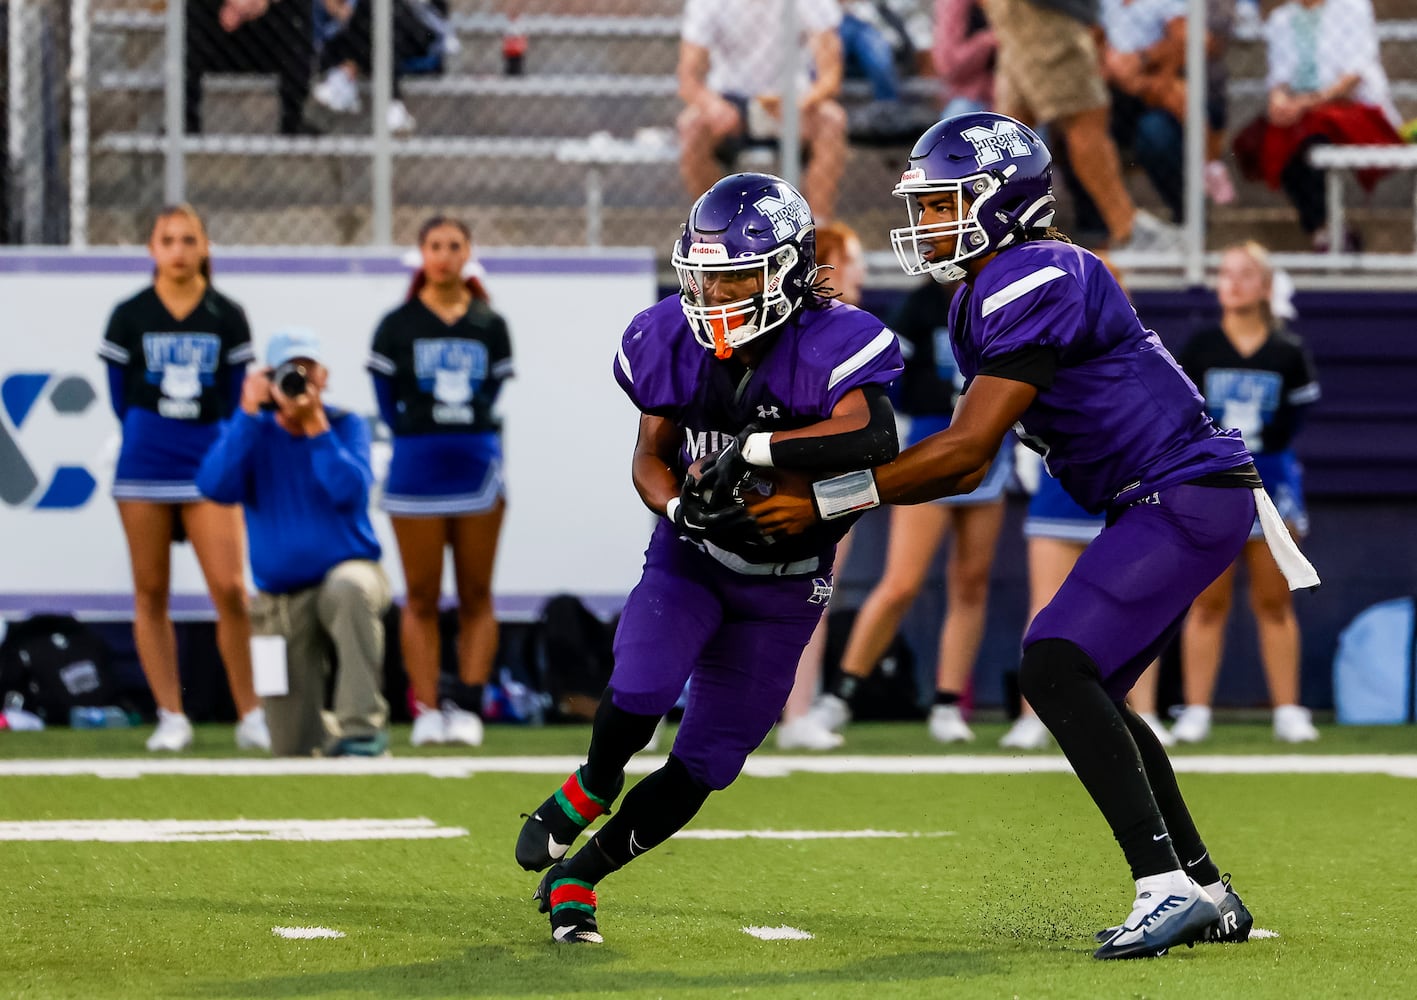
787, 217
992, 144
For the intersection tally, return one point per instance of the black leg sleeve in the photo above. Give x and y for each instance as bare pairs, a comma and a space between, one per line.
1063, 685
615, 737
1186, 840
652, 812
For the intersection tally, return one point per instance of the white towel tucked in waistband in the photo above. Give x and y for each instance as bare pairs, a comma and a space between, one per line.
1298, 571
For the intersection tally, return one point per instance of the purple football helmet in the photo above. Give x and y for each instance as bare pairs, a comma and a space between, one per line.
750, 236
996, 166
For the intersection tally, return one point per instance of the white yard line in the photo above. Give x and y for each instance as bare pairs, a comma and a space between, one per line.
783, 933
765, 766
306, 933
174, 831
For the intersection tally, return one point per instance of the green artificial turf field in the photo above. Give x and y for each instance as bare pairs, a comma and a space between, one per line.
910, 884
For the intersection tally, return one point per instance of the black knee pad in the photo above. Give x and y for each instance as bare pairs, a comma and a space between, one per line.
1051, 665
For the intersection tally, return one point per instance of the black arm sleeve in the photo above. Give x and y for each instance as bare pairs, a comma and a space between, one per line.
872, 445
1034, 365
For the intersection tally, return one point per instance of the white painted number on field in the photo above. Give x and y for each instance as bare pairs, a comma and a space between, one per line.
167, 831
783, 933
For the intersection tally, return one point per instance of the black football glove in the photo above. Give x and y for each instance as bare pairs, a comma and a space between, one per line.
709, 515
723, 474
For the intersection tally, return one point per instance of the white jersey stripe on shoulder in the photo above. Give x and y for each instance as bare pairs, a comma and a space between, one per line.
1305, 394
624, 364
1016, 290
857, 361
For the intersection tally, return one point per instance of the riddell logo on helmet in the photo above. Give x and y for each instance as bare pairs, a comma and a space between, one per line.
993, 143
716, 250
917, 174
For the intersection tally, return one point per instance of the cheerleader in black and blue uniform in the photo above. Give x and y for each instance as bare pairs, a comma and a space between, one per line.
1258, 378
930, 388
438, 363
176, 355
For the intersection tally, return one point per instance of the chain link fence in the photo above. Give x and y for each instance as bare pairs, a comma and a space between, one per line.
558, 122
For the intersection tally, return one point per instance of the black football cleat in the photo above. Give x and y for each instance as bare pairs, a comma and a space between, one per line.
1160, 922
571, 904
549, 832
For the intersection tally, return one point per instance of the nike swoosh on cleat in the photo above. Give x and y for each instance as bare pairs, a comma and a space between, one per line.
555, 850
1161, 837
571, 935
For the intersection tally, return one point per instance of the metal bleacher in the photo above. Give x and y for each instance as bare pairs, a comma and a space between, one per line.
579, 149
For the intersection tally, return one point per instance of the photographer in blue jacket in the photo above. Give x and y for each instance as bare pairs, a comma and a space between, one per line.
301, 471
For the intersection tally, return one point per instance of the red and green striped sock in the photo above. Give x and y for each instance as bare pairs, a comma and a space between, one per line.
580, 806
572, 894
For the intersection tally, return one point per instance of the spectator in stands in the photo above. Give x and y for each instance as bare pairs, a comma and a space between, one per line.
930, 389
175, 354
438, 363
1326, 85
730, 74
251, 36
839, 248
1257, 378
301, 470
866, 50
964, 53
420, 36
1049, 74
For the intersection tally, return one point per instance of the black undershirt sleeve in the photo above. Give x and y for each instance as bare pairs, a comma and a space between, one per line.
1035, 365
874, 444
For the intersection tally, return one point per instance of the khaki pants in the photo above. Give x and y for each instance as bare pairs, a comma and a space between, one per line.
343, 615
1048, 68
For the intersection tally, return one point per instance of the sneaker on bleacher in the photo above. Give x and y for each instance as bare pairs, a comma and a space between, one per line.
338, 92
400, 121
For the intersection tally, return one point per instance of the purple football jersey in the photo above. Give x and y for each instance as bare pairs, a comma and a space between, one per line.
811, 366
1120, 419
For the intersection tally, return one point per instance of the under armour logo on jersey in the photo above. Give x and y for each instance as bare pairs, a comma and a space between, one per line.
787, 217
993, 143
767, 411
821, 591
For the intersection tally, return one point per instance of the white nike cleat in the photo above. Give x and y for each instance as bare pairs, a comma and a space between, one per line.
1192, 725
947, 725
830, 713
1162, 919
173, 732
1294, 724
805, 733
1027, 733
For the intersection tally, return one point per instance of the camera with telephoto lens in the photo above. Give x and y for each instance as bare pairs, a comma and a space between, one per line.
291, 378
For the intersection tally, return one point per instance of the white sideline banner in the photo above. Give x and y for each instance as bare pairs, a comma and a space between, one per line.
574, 523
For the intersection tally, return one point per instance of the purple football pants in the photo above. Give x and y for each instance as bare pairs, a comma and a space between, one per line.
735, 638
1130, 590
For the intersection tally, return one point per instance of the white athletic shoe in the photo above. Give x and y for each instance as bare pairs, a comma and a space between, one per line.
1162, 919
400, 121
1192, 725
337, 91
429, 727
1153, 723
461, 726
947, 725
805, 733
1294, 724
173, 732
1027, 733
830, 713
252, 732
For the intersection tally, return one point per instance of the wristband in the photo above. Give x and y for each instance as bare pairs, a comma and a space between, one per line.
842, 495
757, 449
671, 508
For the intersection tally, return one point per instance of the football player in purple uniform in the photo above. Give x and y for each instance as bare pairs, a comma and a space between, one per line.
1049, 344
755, 361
